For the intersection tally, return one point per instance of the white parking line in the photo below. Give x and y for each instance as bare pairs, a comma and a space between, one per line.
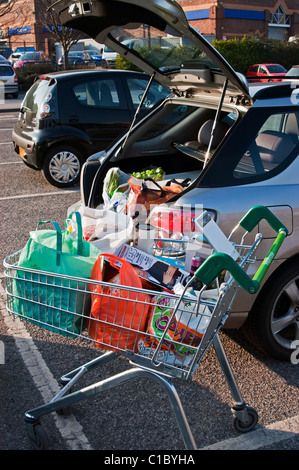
264, 437
5, 143
23, 196
45, 382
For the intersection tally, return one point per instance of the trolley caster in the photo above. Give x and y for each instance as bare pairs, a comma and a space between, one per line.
37, 435
245, 419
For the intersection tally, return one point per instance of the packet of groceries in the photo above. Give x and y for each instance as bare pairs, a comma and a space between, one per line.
185, 330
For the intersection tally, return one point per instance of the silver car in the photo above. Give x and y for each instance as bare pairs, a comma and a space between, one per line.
237, 148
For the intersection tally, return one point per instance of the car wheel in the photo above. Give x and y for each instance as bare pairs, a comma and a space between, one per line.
62, 166
273, 323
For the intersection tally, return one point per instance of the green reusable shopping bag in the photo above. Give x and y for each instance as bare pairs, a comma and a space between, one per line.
41, 292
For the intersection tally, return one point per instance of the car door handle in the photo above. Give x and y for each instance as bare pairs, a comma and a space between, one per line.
74, 119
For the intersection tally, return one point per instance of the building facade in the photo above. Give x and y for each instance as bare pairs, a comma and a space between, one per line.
229, 19
215, 19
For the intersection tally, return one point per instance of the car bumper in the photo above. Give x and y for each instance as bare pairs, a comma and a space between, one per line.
11, 89
26, 149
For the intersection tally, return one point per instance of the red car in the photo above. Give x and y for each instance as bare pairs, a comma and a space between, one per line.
30, 57
265, 73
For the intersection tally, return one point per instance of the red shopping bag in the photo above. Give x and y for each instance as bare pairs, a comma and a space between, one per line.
118, 314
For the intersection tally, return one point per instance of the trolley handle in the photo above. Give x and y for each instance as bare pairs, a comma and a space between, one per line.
256, 214
218, 262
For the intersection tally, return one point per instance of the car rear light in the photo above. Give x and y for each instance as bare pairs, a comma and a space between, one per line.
176, 222
16, 79
45, 110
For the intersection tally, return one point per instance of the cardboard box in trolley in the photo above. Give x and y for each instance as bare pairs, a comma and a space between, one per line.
158, 271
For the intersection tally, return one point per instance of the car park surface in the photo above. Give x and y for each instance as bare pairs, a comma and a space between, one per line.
67, 116
237, 150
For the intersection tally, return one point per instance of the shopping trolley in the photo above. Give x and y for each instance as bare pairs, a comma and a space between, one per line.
179, 328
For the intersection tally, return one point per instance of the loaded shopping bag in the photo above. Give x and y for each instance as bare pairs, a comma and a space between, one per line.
48, 290
118, 312
145, 194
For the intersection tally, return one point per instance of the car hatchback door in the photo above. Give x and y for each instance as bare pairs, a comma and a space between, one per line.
97, 108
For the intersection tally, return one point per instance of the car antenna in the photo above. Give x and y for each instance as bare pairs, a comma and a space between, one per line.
215, 122
138, 110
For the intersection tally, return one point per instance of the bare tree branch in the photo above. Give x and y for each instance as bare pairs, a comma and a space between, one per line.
65, 36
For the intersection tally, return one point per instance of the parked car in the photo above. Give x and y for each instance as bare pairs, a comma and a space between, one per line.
265, 72
30, 57
249, 159
67, 116
80, 57
9, 80
293, 72
14, 57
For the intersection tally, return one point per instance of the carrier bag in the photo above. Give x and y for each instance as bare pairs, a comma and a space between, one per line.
147, 193
42, 294
118, 314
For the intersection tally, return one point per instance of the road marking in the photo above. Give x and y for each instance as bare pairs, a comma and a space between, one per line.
7, 129
5, 143
43, 378
267, 436
11, 163
21, 196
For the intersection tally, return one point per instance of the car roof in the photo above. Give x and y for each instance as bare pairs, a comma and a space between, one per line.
66, 74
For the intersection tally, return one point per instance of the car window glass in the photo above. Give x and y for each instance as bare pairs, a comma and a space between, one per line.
155, 94
174, 116
35, 95
272, 144
97, 93
262, 70
6, 71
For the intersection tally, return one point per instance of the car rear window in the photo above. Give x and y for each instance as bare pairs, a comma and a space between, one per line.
36, 95
265, 143
6, 71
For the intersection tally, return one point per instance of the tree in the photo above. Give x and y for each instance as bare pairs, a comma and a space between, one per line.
50, 19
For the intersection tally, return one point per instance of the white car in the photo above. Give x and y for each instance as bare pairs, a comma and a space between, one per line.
238, 150
9, 80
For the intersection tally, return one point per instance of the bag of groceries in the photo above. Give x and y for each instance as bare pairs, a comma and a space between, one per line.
147, 193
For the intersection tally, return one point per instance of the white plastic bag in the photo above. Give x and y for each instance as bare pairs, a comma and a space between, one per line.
105, 228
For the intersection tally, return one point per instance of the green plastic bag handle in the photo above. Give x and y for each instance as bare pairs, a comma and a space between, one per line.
79, 231
256, 214
218, 262
58, 237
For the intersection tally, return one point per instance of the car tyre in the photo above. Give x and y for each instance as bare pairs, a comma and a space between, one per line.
273, 323
62, 166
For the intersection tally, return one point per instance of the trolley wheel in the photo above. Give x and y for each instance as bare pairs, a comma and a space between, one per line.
38, 436
250, 424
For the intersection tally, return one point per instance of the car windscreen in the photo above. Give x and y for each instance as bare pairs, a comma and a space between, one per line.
264, 143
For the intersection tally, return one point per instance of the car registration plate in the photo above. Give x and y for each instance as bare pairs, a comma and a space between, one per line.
3, 81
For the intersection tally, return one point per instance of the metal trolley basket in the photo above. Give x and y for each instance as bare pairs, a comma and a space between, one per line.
163, 335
